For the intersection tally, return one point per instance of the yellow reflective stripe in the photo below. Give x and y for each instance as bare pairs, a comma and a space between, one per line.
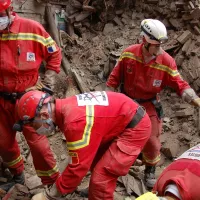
131, 56
165, 69
14, 162
47, 173
87, 131
154, 161
155, 66
28, 36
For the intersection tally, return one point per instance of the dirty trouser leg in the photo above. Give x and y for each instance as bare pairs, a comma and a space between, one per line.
151, 151
43, 159
117, 160
9, 149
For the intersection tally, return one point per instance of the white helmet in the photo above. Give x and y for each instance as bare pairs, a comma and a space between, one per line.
154, 31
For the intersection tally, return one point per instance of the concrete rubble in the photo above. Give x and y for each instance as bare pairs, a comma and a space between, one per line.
92, 35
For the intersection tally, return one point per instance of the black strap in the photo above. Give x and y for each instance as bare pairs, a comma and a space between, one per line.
145, 100
11, 96
137, 117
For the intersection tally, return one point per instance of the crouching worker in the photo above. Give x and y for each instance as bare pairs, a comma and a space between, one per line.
105, 132
180, 180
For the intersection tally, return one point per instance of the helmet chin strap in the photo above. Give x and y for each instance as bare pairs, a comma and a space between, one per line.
147, 45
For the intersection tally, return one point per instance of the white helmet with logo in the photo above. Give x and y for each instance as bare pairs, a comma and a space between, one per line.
154, 31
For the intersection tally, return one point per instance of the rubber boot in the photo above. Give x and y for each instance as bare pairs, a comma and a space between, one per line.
19, 178
84, 192
16, 179
149, 176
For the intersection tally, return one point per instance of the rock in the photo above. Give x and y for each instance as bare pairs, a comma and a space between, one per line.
184, 113
166, 119
180, 106
185, 127
184, 37
187, 137
33, 182
197, 30
108, 28
175, 23
196, 13
18, 137
81, 16
63, 157
117, 21
163, 138
170, 149
119, 41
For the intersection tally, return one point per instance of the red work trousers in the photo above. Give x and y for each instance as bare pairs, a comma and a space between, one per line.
43, 160
116, 160
151, 150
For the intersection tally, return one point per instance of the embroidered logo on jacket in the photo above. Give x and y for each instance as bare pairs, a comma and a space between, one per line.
30, 56
93, 98
157, 83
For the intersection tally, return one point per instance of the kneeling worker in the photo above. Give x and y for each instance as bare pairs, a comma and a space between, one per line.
180, 180
105, 132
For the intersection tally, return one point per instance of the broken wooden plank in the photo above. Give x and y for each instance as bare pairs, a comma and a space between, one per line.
198, 121
184, 36
195, 13
52, 25
186, 45
81, 16
82, 86
197, 30
191, 5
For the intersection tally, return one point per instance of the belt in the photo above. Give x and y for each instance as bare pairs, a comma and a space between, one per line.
11, 96
137, 117
145, 100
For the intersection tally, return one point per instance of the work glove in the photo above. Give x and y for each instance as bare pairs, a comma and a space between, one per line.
38, 86
50, 193
110, 89
150, 196
50, 78
190, 97
196, 102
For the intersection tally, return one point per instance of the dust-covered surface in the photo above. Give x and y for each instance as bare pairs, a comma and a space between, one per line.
92, 53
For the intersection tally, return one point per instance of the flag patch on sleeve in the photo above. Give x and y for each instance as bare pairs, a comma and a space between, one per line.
73, 158
51, 48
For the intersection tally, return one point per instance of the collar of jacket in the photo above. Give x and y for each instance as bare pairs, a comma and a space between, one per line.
158, 58
14, 27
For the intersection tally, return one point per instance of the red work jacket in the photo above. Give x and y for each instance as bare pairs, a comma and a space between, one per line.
185, 173
22, 50
144, 81
86, 127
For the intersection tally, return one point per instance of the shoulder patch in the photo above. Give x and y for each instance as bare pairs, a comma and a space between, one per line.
51, 48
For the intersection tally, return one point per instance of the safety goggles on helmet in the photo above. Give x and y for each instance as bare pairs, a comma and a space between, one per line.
161, 40
19, 125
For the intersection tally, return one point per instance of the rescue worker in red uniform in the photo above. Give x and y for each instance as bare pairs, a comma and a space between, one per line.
24, 44
180, 180
143, 70
105, 132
